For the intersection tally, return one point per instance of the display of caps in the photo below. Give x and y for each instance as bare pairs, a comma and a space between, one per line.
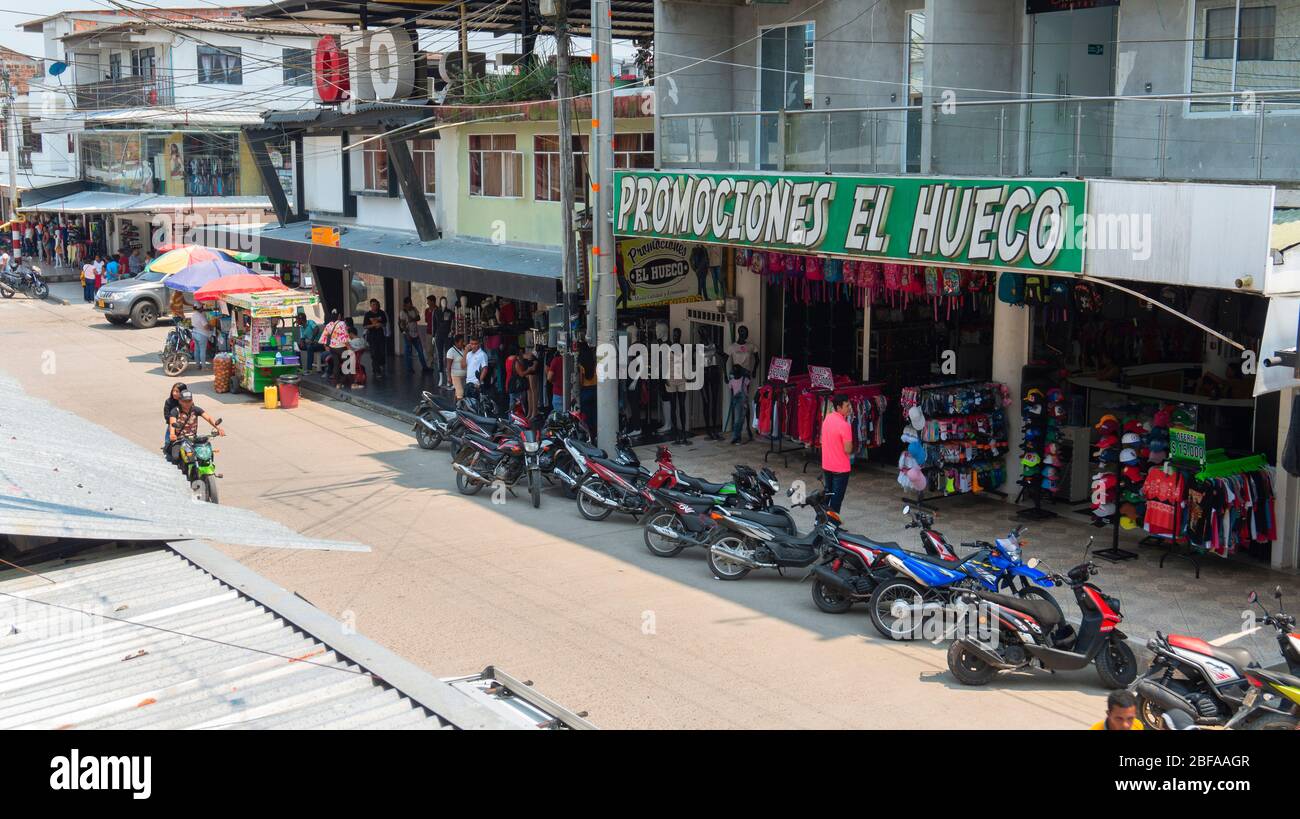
1031, 459
916, 417
1104, 511
1156, 445
1105, 421
1133, 473
1107, 456
1128, 456
1107, 441
1034, 395
1161, 419
1131, 438
1055, 395
1180, 418
1157, 457
1126, 522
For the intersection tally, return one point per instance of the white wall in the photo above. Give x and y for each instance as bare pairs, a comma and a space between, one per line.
322, 170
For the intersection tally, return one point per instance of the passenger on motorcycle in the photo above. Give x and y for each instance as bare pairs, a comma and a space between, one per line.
184, 421
173, 401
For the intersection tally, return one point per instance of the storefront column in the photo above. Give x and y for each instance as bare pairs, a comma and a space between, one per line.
1286, 494
1010, 355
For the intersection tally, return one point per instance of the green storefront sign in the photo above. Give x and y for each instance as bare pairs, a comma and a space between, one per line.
1017, 224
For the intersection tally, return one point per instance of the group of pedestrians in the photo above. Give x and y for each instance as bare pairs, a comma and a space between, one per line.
100, 270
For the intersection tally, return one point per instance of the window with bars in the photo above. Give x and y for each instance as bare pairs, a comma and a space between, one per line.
546, 168
496, 168
424, 156
220, 66
634, 150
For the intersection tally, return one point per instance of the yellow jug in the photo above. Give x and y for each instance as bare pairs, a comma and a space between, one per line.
271, 395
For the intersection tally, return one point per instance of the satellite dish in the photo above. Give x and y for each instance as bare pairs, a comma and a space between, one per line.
57, 68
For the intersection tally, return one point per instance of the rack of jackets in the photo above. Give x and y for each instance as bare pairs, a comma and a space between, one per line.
1219, 509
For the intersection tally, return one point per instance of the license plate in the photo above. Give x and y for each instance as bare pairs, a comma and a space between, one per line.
1251, 696
101, 304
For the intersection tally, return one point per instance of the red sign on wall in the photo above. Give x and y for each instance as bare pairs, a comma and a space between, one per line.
330, 70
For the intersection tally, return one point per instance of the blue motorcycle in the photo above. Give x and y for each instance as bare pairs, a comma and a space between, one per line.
924, 584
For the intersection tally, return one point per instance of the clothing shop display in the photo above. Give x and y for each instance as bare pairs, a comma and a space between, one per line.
954, 437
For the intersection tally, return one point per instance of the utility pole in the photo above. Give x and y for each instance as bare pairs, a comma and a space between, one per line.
568, 254
11, 129
604, 286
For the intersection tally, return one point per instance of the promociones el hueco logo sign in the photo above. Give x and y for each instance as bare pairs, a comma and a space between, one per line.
1018, 224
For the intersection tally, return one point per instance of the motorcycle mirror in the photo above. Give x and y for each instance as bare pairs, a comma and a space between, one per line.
907, 510
1277, 592
218, 423
1252, 597
1087, 547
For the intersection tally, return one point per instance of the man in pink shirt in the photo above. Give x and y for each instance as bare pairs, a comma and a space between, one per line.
837, 444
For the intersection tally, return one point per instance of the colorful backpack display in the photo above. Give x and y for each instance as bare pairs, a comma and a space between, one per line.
1011, 288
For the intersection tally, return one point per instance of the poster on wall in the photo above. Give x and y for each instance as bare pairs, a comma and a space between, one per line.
653, 272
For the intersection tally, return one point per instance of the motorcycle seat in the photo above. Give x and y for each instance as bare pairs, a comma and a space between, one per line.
587, 449
862, 540
1237, 657
614, 466
488, 423
1044, 612
769, 519
687, 498
699, 484
482, 439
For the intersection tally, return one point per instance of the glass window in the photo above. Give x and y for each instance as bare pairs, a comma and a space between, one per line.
144, 63
546, 168
495, 167
211, 164
634, 150
114, 162
1236, 49
786, 67
297, 66
423, 156
115, 66
220, 66
374, 158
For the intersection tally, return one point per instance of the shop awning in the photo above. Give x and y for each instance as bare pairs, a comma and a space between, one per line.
107, 202
76, 121
509, 271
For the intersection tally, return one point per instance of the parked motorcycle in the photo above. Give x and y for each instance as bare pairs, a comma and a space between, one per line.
921, 582
197, 464
611, 485
1272, 704
748, 540
680, 516
1207, 682
435, 420
506, 459
1031, 634
25, 279
178, 349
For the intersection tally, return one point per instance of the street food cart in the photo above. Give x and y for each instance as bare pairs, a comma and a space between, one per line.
262, 335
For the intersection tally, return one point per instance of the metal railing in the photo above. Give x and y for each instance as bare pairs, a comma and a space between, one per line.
1203, 137
125, 92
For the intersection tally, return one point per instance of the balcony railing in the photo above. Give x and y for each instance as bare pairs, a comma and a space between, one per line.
1204, 137
125, 92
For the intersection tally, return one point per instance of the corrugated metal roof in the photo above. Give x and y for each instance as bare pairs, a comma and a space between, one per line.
75, 121
63, 476
143, 638
108, 202
88, 202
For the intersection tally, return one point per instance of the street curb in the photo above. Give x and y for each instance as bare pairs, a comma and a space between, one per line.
315, 388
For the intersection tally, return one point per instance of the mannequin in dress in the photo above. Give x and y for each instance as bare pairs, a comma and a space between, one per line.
743, 353
675, 383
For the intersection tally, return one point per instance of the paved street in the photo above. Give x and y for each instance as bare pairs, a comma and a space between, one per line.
582, 609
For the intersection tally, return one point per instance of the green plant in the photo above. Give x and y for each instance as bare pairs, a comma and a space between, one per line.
537, 83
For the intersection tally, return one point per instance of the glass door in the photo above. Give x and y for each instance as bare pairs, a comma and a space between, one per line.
785, 82
1073, 57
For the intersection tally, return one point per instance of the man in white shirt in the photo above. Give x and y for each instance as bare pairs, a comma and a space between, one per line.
476, 362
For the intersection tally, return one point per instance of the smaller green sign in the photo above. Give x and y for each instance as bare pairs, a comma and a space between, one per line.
1187, 445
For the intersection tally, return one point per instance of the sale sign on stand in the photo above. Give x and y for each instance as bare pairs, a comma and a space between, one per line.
779, 370
821, 378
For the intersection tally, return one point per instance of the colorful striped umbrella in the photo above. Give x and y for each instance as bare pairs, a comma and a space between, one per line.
179, 258
241, 283
191, 278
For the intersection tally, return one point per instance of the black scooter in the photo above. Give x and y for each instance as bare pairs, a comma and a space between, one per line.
435, 421
680, 516
748, 540
25, 279
1031, 634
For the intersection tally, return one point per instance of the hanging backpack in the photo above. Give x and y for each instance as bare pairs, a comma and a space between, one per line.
1011, 288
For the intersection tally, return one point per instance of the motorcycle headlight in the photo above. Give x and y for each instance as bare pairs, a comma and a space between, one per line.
203, 451
531, 446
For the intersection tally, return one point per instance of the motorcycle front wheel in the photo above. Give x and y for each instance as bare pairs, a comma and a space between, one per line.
41, 291
535, 486
589, 507
1117, 665
205, 489
175, 363
427, 438
7, 291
